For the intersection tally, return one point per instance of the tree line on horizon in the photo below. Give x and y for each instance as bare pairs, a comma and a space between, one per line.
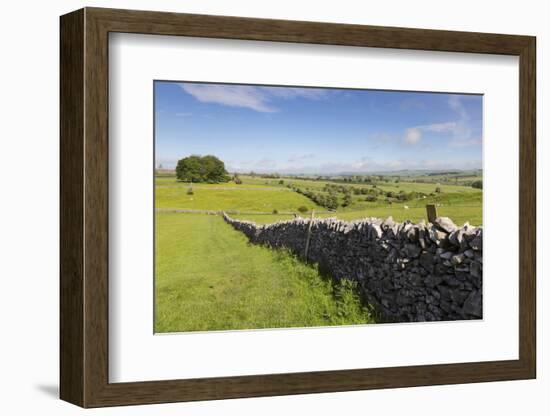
210, 169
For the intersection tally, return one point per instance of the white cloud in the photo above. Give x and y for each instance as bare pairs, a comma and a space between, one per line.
230, 95
247, 96
413, 135
462, 133
294, 92
456, 106
459, 129
362, 165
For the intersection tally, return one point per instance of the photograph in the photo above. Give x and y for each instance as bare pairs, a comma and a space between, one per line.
296, 206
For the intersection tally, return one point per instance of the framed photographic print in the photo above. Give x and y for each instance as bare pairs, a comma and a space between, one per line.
255, 207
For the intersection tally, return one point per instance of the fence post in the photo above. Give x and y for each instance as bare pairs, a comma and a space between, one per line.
308, 235
431, 210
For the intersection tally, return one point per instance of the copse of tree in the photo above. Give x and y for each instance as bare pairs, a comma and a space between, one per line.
270, 175
201, 169
406, 196
329, 201
477, 184
347, 200
237, 180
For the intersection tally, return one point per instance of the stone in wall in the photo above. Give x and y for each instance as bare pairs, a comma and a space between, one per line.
407, 272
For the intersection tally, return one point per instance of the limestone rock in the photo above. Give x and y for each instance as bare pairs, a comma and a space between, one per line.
413, 250
472, 305
445, 224
406, 271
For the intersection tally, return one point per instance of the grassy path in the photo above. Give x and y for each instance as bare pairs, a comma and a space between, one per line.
209, 278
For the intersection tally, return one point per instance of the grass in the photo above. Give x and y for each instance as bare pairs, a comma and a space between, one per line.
208, 277
385, 186
260, 195
165, 181
220, 197
462, 205
459, 214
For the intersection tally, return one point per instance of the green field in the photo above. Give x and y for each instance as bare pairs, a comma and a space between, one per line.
256, 197
459, 214
219, 197
208, 277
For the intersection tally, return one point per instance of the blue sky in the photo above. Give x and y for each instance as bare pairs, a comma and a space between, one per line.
316, 130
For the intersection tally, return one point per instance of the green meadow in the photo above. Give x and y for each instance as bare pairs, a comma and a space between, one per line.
221, 198
267, 200
208, 277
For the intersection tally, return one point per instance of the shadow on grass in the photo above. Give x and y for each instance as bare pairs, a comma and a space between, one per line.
345, 291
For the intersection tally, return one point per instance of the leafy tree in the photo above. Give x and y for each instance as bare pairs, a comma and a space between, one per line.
331, 202
201, 169
347, 200
189, 169
438, 190
302, 209
404, 196
477, 184
213, 169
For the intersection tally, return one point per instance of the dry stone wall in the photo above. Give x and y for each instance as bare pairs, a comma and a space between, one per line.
407, 272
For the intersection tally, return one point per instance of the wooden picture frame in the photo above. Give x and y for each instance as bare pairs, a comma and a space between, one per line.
84, 207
